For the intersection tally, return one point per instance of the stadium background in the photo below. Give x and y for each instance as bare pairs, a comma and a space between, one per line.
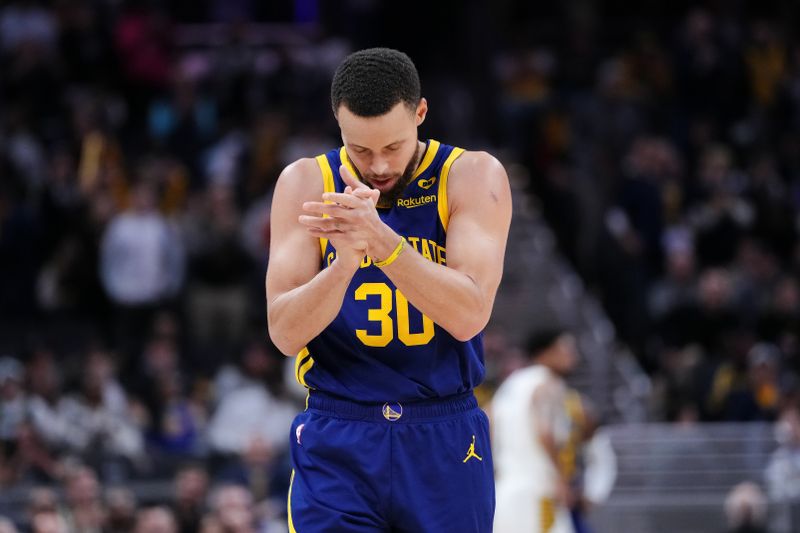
654, 150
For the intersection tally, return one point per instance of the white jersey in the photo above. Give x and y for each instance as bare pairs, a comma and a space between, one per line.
527, 479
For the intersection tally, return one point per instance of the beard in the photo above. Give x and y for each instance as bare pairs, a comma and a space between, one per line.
390, 197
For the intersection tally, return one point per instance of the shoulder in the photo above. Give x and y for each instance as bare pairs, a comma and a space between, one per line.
478, 171
519, 380
543, 380
478, 167
301, 173
300, 179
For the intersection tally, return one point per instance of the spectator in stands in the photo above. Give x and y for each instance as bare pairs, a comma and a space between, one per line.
12, 413
159, 359
120, 516
783, 470
44, 397
677, 290
219, 267
31, 460
747, 389
265, 471
185, 122
155, 520
780, 321
41, 500
29, 33
210, 524
143, 42
258, 362
41, 512
24, 22
163, 396
190, 488
714, 317
231, 510
100, 428
83, 509
746, 509
756, 272
142, 266
7, 526
48, 522
720, 215
177, 423
256, 406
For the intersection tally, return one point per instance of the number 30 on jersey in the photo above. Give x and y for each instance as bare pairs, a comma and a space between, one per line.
381, 315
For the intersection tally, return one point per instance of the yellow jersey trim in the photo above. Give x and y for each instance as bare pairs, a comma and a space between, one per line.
444, 209
303, 363
328, 186
289, 504
430, 154
547, 513
304, 368
303, 353
347, 163
427, 159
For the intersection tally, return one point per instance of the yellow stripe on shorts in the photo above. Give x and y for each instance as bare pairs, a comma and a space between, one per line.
289, 504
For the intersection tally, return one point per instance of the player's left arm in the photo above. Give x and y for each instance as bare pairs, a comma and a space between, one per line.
459, 297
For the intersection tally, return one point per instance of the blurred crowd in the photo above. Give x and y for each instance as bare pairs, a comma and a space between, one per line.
223, 440
139, 142
668, 165
191, 506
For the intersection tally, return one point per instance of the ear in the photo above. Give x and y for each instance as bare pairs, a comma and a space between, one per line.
421, 112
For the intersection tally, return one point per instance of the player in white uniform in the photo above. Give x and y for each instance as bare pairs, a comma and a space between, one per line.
530, 427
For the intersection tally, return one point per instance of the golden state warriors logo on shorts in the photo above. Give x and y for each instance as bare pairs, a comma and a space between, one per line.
392, 411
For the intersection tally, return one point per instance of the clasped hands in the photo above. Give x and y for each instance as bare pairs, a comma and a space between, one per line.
350, 221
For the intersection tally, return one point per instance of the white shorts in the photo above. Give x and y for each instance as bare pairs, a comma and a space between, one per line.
522, 509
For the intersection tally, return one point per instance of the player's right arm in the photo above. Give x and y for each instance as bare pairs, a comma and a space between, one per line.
545, 407
302, 298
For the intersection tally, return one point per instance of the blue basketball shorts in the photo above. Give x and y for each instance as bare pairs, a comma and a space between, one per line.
412, 468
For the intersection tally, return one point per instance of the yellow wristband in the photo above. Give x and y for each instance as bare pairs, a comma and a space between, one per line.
393, 256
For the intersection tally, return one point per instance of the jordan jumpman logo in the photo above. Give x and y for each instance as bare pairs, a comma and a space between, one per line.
471, 452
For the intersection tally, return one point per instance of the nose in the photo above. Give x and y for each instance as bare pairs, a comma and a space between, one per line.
379, 166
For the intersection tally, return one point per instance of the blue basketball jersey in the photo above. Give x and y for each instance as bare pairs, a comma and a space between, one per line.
380, 347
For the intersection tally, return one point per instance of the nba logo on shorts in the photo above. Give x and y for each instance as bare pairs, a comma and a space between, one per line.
297, 433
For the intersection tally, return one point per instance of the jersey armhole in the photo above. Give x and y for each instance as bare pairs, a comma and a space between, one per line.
444, 208
328, 186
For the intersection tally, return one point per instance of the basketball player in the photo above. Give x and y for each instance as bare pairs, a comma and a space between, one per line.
385, 259
531, 432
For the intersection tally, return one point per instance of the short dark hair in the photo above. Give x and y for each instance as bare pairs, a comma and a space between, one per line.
540, 341
371, 82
